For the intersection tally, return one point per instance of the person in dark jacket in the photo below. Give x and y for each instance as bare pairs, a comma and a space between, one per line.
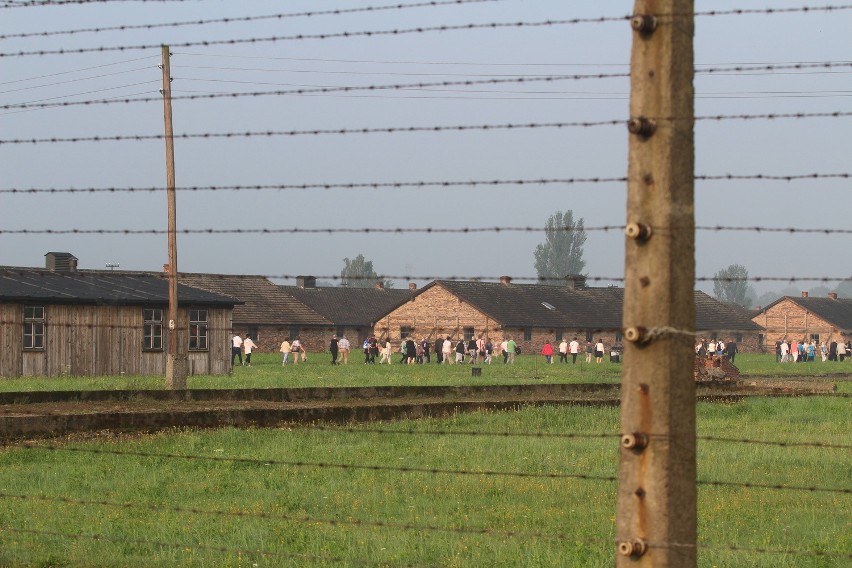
731, 349
410, 351
334, 348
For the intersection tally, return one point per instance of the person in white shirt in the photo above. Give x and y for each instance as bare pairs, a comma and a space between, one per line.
563, 352
345, 347
386, 353
574, 347
248, 345
785, 351
236, 349
446, 351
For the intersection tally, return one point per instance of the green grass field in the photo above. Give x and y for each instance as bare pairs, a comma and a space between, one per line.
268, 511
274, 509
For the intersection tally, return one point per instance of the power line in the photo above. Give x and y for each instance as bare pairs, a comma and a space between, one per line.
31, 106
78, 70
75, 80
345, 89
423, 85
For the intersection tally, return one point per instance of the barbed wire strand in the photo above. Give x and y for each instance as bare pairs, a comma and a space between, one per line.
826, 65
41, 3
407, 230
457, 277
329, 465
402, 129
419, 184
318, 36
308, 519
378, 8
757, 550
327, 90
433, 471
209, 548
242, 19
403, 31
782, 444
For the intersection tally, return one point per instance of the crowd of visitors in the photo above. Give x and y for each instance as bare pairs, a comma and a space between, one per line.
419, 351
804, 351
717, 347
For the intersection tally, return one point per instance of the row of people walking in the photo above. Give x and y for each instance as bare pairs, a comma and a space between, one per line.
573, 349
806, 351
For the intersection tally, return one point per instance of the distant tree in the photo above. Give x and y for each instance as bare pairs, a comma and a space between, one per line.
767, 298
731, 285
359, 273
844, 289
562, 252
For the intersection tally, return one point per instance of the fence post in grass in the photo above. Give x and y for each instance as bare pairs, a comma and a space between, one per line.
656, 518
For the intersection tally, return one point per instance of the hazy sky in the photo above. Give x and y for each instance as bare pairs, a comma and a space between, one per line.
741, 147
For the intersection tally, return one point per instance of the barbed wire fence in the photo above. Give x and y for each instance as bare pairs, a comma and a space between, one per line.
308, 520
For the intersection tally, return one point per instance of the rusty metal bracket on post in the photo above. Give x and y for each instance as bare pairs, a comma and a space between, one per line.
634, 548
644, 24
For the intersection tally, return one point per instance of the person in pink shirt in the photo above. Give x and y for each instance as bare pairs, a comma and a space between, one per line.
547, 351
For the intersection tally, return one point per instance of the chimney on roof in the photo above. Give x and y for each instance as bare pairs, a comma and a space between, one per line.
575, 281
804, 294
412, 286
60, 262
380, 285
832, 295
505, 280
166, 268
306, 281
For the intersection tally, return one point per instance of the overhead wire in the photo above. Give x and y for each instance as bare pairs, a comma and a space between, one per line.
423, 85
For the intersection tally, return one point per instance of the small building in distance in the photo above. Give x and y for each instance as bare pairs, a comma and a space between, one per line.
804, 318
61, 321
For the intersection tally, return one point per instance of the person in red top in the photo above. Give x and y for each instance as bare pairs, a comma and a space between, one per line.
547, 351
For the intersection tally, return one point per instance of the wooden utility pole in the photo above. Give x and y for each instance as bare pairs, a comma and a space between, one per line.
657, 490
176, 363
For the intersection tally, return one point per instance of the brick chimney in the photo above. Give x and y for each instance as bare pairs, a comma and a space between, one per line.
60, 262
804, 294
380, 285
306, 281
505, 280
166, 268
412, 286
832, 295
575, 281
